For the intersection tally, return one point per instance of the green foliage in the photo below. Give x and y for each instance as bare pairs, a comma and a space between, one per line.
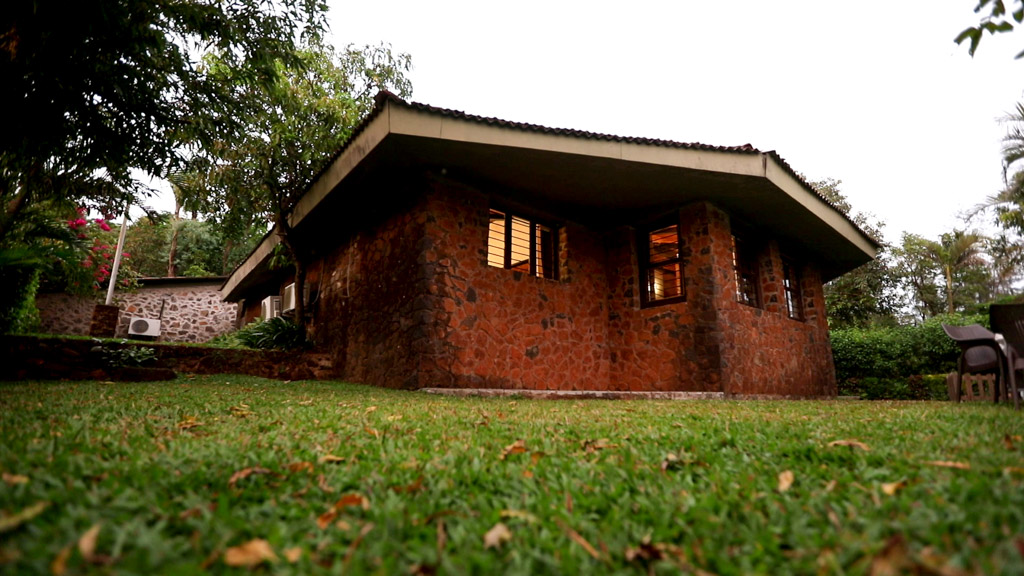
654, 487
123, 356
917, 387
276, 333
999, 20
898, 351
867, 295
101, 89
18, 312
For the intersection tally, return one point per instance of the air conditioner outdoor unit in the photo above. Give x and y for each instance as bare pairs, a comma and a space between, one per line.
270, 308
288, 301
144, 327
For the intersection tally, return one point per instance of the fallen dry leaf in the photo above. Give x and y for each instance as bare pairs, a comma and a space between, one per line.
245, 473
948, 464
850, 443
372, 431
325, 519
252, 553
292, 555
519, 514
12, 479
893, 560
415, 486
300, 467
60, 563
785, 480
8, 523
331, 459
591, 446
355, 543
354, 500
87, 543
188, 423
517, 447
890, 488
577, 538
241, 411
496, 536
371, 409
1013, 470
321, 481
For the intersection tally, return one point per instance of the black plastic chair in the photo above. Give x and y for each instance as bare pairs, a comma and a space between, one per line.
980, 353
1008, 320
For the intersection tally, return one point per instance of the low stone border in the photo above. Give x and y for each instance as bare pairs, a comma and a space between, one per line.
606, 394
33, 358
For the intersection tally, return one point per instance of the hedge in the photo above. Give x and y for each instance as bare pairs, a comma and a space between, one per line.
880, 363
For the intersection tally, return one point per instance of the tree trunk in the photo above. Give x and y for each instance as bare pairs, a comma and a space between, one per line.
284, 233
949, 289
225, 258
172, 251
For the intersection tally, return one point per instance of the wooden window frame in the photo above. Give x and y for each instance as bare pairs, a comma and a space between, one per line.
747, 271
548, 251
791, 289
646, 265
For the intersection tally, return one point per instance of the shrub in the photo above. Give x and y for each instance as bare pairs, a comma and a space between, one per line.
898, 352
126, 356
276, 333
889, 363
18, 312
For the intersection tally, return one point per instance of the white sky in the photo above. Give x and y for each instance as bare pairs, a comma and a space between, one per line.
873, 93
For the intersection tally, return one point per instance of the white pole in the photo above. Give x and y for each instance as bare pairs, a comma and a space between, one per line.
117, 255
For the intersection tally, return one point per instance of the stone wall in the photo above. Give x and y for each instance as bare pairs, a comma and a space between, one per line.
191, 311
31, 358
412, 303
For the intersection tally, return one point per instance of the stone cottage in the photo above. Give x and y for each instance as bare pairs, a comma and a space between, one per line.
451, 250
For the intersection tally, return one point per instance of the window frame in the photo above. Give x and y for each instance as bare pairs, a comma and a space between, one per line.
792, 292
549, 255
646, 265
745, 263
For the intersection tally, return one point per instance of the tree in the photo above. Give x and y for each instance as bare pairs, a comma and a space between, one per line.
94, 90
302, 120
866, 295
954, 254
917, 272
997, 21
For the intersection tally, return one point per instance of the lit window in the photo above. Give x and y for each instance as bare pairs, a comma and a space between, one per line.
662, 265
744, 262
791, 284
516, 243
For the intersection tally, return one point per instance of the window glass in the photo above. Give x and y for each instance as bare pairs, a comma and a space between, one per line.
517, 243
663, 272
744, 262
791, 284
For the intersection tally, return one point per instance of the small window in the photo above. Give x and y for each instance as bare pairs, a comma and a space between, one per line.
520, 244
791, 284
744, 262
662, 265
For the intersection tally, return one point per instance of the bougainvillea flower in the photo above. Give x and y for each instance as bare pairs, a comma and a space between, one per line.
103, 224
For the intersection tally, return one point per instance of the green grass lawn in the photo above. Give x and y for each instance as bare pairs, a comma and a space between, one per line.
216, 472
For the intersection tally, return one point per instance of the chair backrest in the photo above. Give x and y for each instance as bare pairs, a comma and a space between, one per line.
968, 334
1008, 320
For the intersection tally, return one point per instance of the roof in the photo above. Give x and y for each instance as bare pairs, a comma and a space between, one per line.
597, 178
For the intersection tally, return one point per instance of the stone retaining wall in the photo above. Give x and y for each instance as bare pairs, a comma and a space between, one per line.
32, 358
189, 311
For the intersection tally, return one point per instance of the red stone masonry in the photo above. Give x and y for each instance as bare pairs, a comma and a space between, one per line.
410, 302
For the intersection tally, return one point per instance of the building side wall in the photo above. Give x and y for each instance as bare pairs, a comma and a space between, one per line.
411, 302
500, 328
672, 346
190, 313
373, 313
763, 350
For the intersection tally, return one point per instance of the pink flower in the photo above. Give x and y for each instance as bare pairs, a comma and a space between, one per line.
80, 210
82, 236
86, 263
125, 255
80, 222
103, 225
